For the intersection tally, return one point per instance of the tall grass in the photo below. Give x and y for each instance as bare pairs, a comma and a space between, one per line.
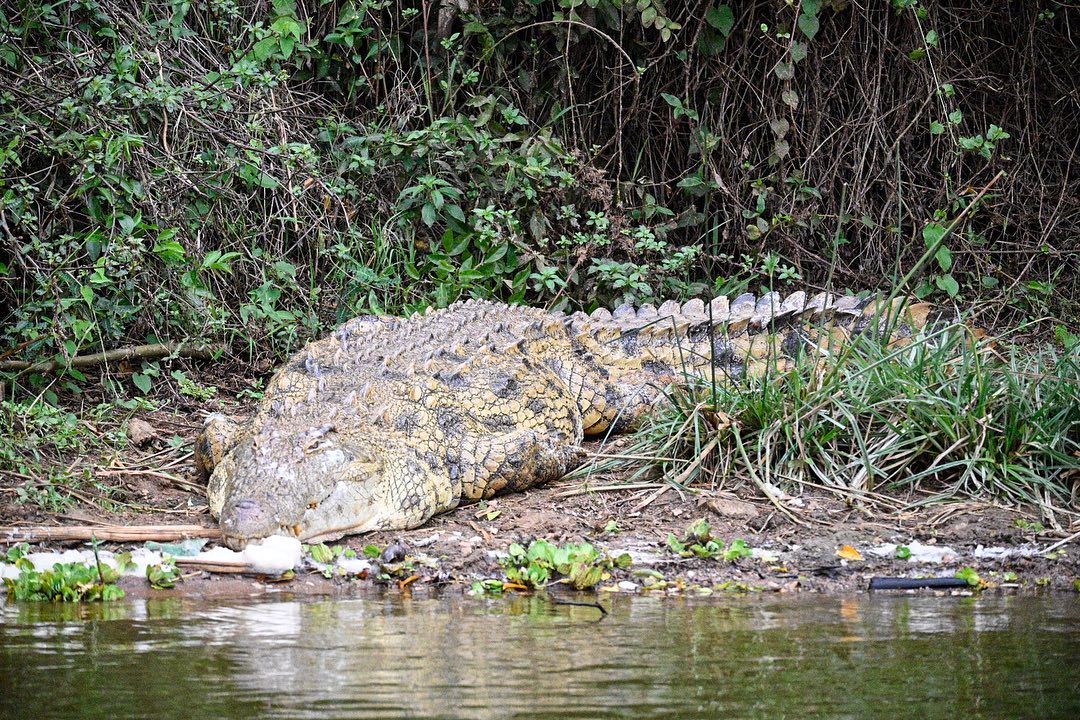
943, 417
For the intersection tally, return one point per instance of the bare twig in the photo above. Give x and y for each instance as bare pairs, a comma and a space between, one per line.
136, 352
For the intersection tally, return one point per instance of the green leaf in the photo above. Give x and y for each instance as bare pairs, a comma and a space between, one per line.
170, 251
87, 293
286, 44
917, 54
932, 233
944, 258
948, 284
671, 100
321, 553
970, 576
264, 48
648, 15
809, 25
675, 545
995, 133
956, 117
932, 38
455, 212
936, 128
1066, 338
143, 382
721, 18
798, 51
427, 214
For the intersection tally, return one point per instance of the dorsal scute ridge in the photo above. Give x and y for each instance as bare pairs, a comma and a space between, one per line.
745, 311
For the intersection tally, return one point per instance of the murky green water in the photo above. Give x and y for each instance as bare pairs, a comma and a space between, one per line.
772, 657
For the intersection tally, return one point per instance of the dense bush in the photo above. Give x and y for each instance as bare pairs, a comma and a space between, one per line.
253, 171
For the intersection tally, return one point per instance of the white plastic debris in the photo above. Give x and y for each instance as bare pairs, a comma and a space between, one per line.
1003, 552
627, 586
354, 566
273, 555
767, 556
270, 556
919, 552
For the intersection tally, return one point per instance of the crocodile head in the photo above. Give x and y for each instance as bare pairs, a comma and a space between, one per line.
310, 485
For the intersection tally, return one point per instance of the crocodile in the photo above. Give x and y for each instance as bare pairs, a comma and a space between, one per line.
387, 421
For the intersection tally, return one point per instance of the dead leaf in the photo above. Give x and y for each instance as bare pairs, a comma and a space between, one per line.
849, 553
140, 432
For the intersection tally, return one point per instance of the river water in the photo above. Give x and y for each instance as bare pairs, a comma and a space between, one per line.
525, 657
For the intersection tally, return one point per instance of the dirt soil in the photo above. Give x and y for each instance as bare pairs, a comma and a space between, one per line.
823, 546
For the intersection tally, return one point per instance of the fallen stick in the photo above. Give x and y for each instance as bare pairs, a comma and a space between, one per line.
214, 566
110, 533
140, 352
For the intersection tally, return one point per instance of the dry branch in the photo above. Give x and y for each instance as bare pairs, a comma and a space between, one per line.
215, 566
136, 352
111, 533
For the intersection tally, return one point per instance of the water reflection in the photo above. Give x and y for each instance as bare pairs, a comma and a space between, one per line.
524, 657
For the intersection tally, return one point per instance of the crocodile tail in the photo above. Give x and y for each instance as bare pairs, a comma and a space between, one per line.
750, 314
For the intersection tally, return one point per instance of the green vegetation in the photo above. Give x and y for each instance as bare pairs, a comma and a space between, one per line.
938, 418
251, 173
972, 578
226, 169
68, 582
35, 436
698, 541
164, 575
580, 565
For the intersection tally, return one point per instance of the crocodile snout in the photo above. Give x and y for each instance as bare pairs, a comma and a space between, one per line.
243, 520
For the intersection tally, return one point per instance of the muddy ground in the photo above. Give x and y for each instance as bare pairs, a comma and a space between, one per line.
154, 483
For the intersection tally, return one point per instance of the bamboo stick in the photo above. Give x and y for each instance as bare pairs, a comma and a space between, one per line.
111, 533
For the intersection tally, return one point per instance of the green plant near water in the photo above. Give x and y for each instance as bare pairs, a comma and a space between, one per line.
698, 541
163, 576
940, 418
67, 582
579, 565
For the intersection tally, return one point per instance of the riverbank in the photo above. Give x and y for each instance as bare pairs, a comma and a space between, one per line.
818, 542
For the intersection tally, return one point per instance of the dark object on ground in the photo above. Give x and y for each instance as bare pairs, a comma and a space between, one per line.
898, 583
